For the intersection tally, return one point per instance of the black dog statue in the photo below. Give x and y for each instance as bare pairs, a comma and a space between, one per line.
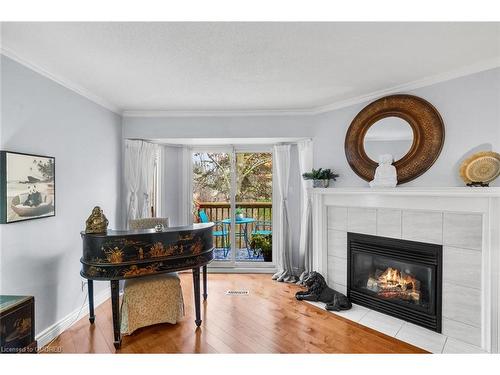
319, 291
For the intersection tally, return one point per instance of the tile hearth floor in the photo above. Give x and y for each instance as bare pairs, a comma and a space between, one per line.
412, 334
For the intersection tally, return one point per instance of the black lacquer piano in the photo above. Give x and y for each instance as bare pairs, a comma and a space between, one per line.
118, 255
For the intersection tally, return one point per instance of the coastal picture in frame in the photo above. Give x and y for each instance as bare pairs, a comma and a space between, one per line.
27, 186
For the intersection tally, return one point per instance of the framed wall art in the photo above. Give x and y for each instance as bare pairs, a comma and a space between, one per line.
27, 187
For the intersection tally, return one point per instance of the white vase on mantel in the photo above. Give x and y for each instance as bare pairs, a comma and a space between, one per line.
321, 183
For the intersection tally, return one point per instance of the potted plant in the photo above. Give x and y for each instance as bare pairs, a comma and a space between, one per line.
264, 244
238, 213
321, 177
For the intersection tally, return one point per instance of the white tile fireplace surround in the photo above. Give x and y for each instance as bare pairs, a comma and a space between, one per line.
465, 221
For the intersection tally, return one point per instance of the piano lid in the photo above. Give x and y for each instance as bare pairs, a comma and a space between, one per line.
120, 254
135, 232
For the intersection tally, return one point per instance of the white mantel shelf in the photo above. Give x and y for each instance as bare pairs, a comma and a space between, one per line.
405, 191
483, 201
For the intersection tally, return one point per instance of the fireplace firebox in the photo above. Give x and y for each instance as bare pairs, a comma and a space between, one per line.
397, 277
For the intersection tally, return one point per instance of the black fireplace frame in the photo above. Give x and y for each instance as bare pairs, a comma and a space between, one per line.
425, 254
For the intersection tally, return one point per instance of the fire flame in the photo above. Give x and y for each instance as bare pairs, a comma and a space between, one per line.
392, 283
393, 277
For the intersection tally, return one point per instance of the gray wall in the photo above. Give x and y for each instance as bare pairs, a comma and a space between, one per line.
218, 127
41, 257
470, 108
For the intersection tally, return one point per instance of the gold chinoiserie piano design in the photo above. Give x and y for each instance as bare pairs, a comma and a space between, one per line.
118, 255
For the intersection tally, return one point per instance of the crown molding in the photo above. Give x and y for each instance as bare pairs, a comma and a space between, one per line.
428, 81
61, 81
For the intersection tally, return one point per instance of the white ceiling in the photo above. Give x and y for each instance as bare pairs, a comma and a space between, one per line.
245, 66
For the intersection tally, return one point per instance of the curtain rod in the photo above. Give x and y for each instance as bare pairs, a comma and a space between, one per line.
218, 145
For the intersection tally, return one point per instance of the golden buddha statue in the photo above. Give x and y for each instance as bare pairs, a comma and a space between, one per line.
97, 222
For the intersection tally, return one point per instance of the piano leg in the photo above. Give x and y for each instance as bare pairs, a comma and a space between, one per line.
90, 287
196, 284
115, 306
205, 291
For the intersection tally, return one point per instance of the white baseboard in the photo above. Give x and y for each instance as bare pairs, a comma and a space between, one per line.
50, 333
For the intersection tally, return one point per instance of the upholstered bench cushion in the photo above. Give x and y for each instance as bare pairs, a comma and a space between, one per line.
151, 300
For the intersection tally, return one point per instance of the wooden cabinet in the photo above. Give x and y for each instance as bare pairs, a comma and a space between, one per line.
17, 324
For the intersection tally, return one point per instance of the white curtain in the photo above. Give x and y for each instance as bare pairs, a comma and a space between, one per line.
149, 157
283, 238
139, 164
305, 152
186, 206
132, 176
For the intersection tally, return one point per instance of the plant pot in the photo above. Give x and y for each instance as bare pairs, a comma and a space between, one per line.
268, 257
321, 183
239, 217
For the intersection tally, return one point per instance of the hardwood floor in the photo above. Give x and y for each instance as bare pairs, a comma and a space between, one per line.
268, 320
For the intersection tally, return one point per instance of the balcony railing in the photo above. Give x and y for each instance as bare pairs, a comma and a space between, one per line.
217, 211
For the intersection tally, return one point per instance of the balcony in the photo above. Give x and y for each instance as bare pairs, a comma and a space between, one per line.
217, 212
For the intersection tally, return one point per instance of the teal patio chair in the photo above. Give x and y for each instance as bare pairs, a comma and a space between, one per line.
219, 232
263, 228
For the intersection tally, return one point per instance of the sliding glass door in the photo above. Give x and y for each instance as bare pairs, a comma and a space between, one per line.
254, 188
232, 187
212, 195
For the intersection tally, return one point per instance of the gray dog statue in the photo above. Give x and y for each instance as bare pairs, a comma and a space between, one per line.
319, 291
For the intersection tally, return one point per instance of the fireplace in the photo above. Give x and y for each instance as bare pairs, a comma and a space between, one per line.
397, 277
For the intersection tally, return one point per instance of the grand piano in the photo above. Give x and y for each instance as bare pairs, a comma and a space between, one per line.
118, 255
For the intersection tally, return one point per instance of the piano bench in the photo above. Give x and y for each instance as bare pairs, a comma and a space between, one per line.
151, 300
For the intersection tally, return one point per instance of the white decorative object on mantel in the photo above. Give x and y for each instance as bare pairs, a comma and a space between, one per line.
466, 221
385, 174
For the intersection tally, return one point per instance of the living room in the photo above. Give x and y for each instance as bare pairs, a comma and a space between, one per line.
250, 187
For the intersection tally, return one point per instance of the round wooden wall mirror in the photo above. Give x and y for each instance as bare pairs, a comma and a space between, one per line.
405, 126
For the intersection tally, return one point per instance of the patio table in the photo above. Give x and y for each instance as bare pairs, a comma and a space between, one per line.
245, 221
